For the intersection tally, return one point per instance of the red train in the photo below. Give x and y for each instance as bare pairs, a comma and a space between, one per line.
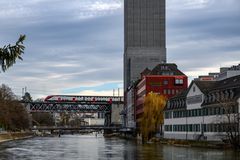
72, 98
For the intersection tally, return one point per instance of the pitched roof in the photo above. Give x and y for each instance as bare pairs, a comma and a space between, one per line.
204, 86
226, 91
146, 71
177, 102
180, 95
232, 82
166, 69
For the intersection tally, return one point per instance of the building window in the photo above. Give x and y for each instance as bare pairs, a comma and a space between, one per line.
155, 84
181, 81
194, 89
204, 127
178, 81
165, 82
194, 99
214, 111
210, 111
168, 127
164, 91
190, 129
199, 112
169, 91
194, 113
168, 115
177, 91
164, 67
206, 112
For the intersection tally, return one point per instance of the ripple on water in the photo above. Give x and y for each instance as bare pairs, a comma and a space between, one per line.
89, 147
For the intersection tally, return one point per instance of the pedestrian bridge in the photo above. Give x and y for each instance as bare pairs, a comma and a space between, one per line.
92, 127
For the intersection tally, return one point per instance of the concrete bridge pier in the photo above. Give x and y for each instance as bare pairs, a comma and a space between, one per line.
107, 123
107, 132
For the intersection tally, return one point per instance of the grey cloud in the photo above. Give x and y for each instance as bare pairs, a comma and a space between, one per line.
206, 36
89, 47
69, 45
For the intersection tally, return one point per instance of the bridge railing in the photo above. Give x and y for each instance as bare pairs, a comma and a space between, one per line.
99, 127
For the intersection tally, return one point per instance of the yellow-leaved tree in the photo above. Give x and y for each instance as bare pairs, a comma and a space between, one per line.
152, 117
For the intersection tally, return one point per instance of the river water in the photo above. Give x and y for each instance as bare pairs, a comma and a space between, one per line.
89, 147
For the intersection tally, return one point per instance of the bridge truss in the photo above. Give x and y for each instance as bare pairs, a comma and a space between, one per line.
79, 104
68, 107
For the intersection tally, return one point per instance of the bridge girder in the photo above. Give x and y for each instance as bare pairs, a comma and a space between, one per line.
78, 128
69, 107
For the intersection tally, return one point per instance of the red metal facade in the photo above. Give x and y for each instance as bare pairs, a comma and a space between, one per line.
168, 86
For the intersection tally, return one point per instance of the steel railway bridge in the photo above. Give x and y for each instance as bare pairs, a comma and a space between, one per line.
80, 104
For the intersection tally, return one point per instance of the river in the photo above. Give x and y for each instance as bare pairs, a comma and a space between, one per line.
89, 147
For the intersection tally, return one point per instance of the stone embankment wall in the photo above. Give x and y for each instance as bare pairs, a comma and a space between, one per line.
8, 136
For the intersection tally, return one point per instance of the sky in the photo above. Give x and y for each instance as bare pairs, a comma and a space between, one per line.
76, 47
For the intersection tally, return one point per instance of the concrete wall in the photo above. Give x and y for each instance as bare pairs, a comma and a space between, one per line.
213, 136
94, 121
144, 37
137, 59
115, 116
130, 109
144, 23
228, 74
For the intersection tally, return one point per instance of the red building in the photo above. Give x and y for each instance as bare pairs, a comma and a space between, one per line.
165, 79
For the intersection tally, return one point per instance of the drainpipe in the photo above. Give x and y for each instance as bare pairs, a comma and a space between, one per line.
186, 124
202, 127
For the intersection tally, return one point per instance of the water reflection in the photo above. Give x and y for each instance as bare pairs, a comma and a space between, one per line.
85, 147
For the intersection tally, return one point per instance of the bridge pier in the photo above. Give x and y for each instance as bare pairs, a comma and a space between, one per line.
107, 123
107, 131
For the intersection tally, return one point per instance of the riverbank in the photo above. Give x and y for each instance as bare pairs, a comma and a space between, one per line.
9, 136
180, 143
192, 143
